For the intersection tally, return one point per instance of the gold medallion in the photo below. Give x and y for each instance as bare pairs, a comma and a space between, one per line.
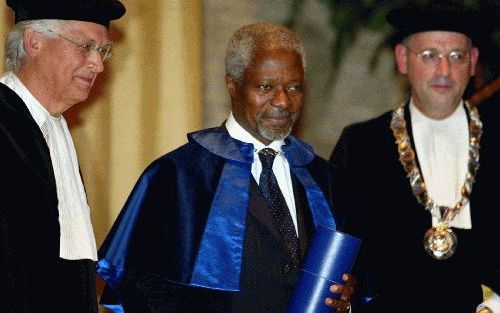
440, 242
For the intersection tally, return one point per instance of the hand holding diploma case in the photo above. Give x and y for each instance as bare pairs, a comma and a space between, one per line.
330, 255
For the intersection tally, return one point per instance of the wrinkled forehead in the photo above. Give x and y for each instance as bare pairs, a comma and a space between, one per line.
85, 29
274, 54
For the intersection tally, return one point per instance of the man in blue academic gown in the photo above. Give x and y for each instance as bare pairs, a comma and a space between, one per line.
197, 233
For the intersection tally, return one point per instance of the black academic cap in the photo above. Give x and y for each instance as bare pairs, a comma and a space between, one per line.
434, 16
96, 11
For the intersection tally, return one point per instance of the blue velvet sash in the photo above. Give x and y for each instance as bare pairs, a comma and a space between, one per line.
218, 262
219, 258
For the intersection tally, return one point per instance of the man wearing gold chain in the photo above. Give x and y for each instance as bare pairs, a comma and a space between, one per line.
424, 174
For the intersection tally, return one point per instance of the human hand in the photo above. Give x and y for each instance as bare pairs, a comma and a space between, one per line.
343, 304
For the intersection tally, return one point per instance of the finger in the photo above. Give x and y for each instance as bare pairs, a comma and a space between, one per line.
336, 288
349, 279
340, 305
344, 290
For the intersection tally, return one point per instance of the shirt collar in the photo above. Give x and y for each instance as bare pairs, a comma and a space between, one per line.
419, 117
237, 132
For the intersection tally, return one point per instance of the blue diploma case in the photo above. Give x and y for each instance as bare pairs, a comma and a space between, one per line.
330, 255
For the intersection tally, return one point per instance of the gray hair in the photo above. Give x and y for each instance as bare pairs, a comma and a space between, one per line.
14, 47
246, 40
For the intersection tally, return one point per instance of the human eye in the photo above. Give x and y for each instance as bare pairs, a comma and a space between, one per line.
88, 47
428, 55
295, 88
264, 87
456, 56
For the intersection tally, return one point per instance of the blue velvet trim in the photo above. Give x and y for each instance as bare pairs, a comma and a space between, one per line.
299, 155
219, 258
116, 308
117, 251
320, 210
220, 143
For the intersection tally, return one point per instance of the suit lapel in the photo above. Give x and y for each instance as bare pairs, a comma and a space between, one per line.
259, 209
304, 218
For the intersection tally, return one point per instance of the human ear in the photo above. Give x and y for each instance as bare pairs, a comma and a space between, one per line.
232, 86
474, 55
32, 42
401, 53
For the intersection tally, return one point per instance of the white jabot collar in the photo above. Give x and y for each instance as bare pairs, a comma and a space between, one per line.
442, 147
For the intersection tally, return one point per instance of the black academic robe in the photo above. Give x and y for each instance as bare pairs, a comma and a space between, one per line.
166, 216
394, 271
32, 276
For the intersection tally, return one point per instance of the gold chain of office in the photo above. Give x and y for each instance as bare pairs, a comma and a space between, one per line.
440, 241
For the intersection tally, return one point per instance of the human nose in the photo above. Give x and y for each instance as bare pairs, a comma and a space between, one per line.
443, 66
95, 61
281, 98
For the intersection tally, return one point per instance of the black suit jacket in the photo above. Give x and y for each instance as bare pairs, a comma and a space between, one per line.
393, 270
29, 226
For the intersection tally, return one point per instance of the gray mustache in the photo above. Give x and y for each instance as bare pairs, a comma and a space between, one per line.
278, 113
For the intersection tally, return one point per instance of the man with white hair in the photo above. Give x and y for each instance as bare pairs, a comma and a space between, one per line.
47, 247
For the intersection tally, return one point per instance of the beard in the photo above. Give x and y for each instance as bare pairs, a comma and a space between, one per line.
276, 133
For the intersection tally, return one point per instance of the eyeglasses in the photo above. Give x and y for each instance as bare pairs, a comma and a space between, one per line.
433, 57
106, 50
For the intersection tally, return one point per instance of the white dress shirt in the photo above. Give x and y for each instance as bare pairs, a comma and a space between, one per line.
281, 167
77, 237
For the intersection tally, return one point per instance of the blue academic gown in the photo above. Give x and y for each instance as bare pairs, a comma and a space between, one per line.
184, 227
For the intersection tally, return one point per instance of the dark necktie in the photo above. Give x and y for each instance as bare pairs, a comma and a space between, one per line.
279, 210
